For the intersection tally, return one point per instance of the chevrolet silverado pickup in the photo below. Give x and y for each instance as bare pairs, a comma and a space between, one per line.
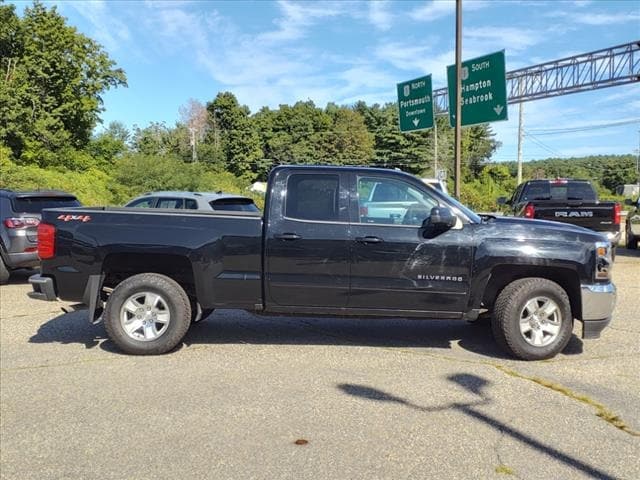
566, 201
322, 248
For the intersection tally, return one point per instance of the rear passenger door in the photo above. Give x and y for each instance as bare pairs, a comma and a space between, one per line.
307, 240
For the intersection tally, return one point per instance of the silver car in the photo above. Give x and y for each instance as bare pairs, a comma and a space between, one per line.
194, 201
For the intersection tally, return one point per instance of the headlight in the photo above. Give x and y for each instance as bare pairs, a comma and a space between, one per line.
603, 261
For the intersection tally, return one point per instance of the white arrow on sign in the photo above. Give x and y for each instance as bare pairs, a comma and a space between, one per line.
416, 121
498, 109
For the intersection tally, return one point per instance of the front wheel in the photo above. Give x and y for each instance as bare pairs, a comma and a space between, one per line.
147, 314
532, 319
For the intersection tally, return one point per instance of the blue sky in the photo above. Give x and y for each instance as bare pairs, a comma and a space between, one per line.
269, 53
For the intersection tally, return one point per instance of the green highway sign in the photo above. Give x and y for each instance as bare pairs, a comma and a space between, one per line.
415, 104
484, 90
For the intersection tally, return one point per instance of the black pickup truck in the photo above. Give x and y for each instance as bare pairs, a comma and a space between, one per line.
333, 241
566, 201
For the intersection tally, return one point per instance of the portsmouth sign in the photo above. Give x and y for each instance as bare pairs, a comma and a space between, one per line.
415, 104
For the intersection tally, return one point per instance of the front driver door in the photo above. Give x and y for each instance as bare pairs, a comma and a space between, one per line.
392, 265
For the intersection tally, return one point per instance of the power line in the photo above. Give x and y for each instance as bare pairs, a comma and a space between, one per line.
549, 131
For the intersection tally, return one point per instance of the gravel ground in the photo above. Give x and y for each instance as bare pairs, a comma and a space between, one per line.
280, 397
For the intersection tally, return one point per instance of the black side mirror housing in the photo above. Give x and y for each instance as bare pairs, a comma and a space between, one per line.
628, 201
502, 201
440, 219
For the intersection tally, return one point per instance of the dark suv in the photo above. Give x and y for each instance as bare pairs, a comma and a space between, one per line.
20, 216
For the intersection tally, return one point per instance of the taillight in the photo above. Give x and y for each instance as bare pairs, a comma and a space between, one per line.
25, 222
529, 210
617, 213
46, 241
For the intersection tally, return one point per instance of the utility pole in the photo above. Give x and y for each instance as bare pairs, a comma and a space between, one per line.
435, 147
458, 152
520, 137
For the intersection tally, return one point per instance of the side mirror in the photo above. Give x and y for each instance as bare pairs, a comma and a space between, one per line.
628, 201
502, 201
441, 218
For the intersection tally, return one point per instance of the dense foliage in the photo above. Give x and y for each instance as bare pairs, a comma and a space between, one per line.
52, 78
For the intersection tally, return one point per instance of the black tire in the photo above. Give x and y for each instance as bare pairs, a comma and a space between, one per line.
632, 241
173, 298
512, 303
4, 273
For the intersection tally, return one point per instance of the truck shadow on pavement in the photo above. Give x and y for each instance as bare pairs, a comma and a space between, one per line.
237, 327
477, 386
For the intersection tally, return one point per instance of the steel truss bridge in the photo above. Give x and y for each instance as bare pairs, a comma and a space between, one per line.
604, 68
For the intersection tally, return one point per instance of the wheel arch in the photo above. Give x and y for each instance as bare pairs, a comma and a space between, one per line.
503, 275
117, 267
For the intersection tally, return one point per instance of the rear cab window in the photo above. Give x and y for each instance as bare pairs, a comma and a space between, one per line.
313, 197
560, 190
37, 204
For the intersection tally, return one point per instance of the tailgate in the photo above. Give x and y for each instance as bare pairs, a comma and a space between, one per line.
598, 217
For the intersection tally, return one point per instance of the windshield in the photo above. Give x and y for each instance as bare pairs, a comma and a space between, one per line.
473, 216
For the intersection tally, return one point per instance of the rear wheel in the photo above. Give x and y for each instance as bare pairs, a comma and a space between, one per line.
532, 319
4, 273
147, 314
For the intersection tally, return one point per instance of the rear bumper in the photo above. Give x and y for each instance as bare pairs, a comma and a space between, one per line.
43, 288
598, 302
22, 260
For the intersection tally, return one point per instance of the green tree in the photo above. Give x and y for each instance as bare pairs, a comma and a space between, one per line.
348, 142
51, 83
233, 132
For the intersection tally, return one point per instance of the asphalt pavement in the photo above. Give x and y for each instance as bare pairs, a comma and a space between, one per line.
281, 397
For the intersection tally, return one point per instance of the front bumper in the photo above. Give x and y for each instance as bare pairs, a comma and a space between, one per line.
598, 302
43, 288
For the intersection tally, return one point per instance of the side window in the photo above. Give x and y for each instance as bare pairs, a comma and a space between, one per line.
142, 203
313, 197
392, 202
190, 204
170, 203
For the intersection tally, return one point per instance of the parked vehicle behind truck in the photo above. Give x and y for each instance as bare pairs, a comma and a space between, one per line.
322, 249
19, 217
633, 224
567, 201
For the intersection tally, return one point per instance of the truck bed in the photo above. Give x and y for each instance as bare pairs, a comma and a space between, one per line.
223, 248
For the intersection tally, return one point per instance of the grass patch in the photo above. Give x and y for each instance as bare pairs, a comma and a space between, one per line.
505, 470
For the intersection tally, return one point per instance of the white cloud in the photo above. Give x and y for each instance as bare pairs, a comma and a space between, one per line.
433, 10
379, 15
598, 19
516, 39
108, 30
297, 18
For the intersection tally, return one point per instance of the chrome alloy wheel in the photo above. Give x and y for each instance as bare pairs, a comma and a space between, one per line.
145, 316
540, 321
